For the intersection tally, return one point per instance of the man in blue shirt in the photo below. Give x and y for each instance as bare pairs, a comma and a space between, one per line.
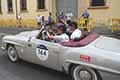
86, 15
50, 18
61, 17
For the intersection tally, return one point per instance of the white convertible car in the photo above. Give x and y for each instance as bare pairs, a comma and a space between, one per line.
94, 57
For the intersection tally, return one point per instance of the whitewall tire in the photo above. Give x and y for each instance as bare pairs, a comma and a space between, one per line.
12, 54
83, 73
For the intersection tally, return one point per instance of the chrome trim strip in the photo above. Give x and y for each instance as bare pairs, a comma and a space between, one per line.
94, 66
14, 43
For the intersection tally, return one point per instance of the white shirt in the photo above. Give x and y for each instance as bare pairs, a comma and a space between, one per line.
76, 34
19, 17
69, 16
61, 38
39, 19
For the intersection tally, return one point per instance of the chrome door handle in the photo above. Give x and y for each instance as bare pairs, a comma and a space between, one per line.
30, 45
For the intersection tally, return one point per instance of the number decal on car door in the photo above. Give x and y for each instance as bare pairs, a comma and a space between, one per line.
42, 52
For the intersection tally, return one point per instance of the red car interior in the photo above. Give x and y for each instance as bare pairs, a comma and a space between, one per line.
85, 41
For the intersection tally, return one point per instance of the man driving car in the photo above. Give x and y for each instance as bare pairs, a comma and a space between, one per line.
61, 34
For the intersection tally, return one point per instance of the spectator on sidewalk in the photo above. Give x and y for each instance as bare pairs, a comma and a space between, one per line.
19, 18
39, 20
61, 18
85, 15
50, 20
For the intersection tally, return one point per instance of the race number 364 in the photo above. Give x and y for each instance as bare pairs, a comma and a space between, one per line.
42, 54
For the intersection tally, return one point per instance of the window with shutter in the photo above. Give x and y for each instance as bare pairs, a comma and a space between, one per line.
40, 4
10, 5
23, 5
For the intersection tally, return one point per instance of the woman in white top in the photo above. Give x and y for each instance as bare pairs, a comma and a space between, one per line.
61, 34
76, 33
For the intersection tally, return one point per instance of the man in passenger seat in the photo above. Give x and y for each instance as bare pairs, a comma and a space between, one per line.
76, 33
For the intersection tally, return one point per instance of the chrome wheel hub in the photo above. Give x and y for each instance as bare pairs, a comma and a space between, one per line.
12, 53
85, 75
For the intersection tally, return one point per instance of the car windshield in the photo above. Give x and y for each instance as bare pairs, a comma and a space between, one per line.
29, 33
43, 32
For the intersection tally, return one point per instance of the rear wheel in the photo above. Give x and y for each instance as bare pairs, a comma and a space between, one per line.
12, 53
83, 73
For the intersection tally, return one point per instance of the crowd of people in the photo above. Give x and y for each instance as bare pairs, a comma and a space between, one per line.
41, 20
61, 18
66, 28
64, 33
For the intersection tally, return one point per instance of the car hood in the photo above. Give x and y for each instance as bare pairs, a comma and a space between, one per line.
22, 36
108, 43
29, 33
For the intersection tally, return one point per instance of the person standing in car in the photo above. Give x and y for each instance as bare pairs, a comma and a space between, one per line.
42, 20
61, 18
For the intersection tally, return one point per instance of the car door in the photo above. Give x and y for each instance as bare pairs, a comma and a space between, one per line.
43, 52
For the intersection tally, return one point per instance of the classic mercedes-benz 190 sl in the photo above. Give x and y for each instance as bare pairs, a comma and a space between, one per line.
94, 57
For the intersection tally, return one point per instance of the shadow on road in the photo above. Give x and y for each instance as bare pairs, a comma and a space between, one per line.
28, 71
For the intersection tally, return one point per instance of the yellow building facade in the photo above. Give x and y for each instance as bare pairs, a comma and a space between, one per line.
110, 9
31, 10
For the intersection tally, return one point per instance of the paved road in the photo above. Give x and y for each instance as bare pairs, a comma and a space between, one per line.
28, 71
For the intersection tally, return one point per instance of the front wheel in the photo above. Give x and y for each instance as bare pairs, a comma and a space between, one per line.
83, 73
12, 54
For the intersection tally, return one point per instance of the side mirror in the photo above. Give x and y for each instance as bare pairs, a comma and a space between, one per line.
29, 39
